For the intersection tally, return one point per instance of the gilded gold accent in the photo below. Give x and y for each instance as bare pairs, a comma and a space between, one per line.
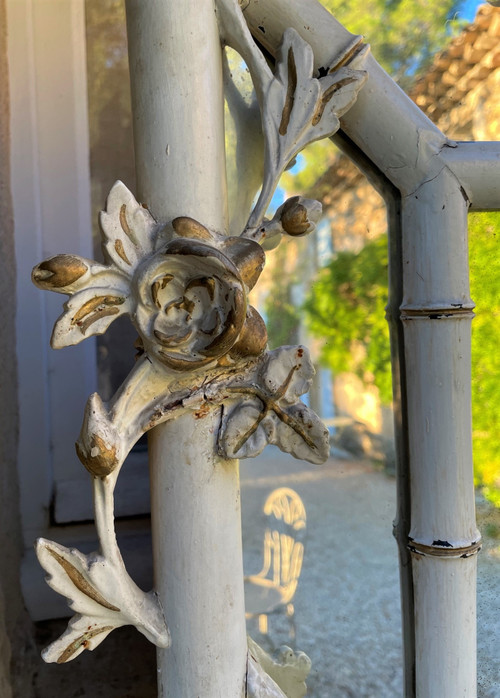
248, 256
232, 326
120, 251
93, 304
101, 464
327, 96
172, 339
125, 226
253, 337
290, 93
95, 309
349, 55
102, 312
182, 303
59, 271
80, 582
189, 228
82, 640
196, 248
177, 364
294, 217
206, 282
159, 285
188, 306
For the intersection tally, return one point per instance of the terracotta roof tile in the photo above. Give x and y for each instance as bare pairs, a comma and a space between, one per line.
467, 61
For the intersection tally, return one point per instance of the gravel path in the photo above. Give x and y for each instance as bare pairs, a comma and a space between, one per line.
347, 602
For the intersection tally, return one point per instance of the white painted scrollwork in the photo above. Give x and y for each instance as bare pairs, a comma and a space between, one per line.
275, 678
185, 288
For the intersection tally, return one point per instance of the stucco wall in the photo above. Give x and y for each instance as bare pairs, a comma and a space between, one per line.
15, 630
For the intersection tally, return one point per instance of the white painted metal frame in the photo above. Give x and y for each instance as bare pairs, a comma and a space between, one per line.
199, 500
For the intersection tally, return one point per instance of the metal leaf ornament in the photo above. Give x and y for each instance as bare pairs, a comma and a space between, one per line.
272, 413
300, 109
104, 598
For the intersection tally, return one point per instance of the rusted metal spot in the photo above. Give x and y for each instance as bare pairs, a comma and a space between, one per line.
202, 412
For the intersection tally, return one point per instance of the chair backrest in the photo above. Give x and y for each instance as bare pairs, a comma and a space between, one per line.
283, 540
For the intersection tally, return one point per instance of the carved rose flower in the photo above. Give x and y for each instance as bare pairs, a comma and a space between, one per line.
184, 287
191, 298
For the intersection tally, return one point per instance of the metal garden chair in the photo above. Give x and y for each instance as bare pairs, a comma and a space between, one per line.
273, 588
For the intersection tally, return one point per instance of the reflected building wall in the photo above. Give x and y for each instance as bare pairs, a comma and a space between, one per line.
111, 156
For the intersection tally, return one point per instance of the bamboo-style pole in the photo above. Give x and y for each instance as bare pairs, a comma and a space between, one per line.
402, 521
437, 313
177, 98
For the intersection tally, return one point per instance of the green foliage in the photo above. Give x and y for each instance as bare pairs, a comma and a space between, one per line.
484, 242
319, 156
346, 307
282, 314
283, 318
403, 34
